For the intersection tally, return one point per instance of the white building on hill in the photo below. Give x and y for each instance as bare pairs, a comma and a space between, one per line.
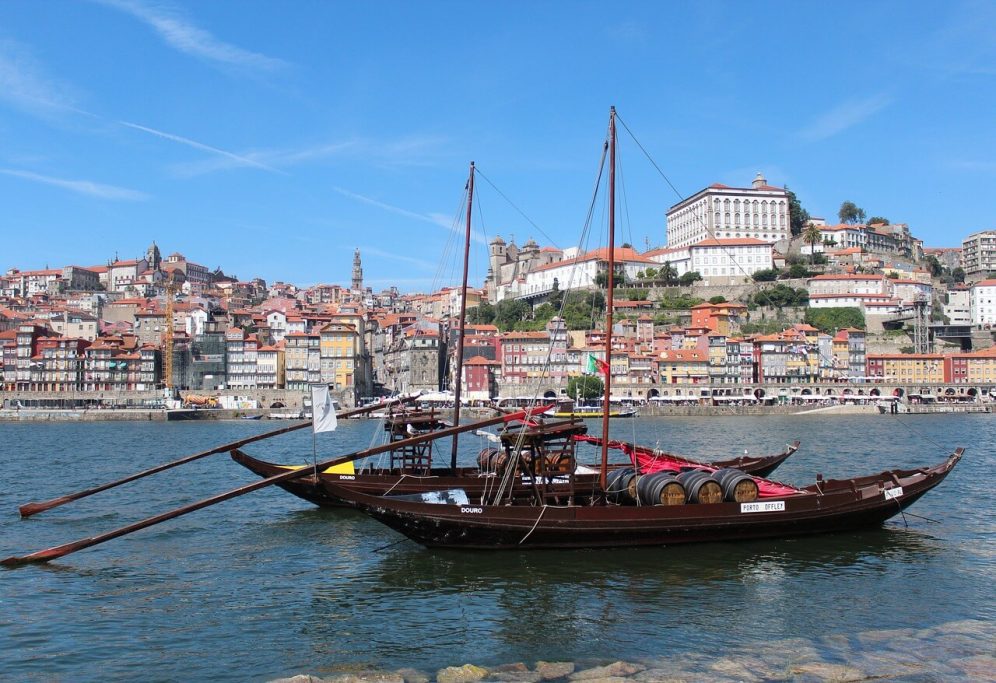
759, 212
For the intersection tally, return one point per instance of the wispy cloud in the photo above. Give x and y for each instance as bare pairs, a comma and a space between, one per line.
25, 85
421, 263
435, 219
412, 151
237, 159
182, 35
271, 159
84, 187
844, 116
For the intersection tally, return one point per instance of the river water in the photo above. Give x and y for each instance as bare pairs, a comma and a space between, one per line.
266, 585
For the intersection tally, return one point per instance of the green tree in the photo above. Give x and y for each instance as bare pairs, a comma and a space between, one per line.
935, 266
510, 312
832, 319
798, 216
582, 309
812, 236
796, 271
543, 313
766, 275
679, 302
668, 273
688, 278
585, 387
718, 300
780, 296
851, 213
482, 314
602, 279
958, 274
878, 219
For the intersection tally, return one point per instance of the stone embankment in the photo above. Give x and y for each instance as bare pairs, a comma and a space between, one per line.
121, 414
955, 651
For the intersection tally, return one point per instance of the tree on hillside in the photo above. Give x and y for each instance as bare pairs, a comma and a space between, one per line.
796, 271
766, 275
935, 266
482, 314
878, 219
832, 319
812, 236
508, 312
689, 277
798, 216
851, 213
780, 296
581, 309
602, 279
585, 387
668, 273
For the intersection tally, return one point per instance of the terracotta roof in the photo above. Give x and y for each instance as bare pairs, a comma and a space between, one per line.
622, 254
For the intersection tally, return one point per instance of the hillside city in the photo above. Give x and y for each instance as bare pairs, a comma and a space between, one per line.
750, 291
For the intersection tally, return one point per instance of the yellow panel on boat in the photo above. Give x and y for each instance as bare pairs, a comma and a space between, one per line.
344, 468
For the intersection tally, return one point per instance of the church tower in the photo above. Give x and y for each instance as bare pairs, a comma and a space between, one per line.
357, 272
153, 257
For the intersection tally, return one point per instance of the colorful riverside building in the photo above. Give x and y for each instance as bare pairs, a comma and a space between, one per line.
37, 359
975, 367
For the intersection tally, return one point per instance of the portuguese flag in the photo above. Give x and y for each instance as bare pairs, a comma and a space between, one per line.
596, 365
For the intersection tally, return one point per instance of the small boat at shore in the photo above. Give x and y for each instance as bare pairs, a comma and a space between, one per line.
584, 410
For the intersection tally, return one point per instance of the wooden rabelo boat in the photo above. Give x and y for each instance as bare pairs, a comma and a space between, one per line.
402, 478
630, 509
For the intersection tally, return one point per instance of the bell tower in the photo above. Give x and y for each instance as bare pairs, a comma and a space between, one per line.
357, 272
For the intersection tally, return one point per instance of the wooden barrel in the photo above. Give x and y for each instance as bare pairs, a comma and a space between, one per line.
737, 486
560, 462
660, 488
620, 486
701, 487
491, 460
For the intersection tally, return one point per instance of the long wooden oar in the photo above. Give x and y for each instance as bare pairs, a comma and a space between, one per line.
29, 509
67, 548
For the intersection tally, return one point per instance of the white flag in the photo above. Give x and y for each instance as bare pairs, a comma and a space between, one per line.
322, 410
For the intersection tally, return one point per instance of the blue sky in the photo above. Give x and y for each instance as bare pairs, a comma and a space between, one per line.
273, 139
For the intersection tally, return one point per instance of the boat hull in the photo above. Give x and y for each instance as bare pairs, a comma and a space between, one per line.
830, 506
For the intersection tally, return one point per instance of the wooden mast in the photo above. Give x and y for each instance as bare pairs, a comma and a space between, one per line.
458, 375
608, 296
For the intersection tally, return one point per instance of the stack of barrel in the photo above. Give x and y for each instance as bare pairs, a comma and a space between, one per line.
625, 487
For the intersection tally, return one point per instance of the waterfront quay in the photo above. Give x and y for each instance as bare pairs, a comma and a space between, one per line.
673, 399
